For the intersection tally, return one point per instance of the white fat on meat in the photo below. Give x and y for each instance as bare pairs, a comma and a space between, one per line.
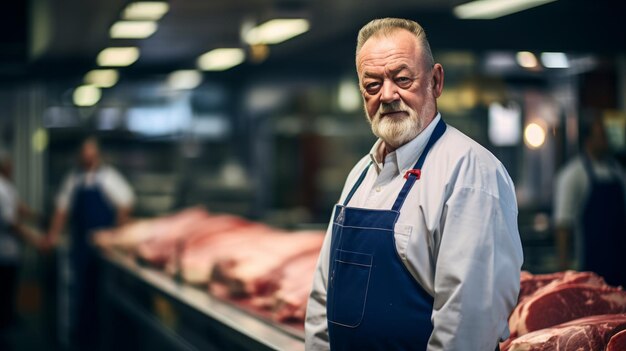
589, 333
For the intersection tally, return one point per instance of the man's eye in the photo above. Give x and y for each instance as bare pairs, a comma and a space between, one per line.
372, 87
403, 81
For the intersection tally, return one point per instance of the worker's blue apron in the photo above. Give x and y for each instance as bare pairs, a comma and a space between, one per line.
604, 227
374, 303
90, 210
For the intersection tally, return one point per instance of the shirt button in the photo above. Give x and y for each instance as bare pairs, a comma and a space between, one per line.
377, 189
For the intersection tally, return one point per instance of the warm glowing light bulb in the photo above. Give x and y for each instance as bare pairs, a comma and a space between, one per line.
534, 135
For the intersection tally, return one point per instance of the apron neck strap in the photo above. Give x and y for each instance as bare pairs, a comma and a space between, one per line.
414, 174
357, 184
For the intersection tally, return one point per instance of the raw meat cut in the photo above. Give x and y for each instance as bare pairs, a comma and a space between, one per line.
529, 283
159, 249
617, 342
295, 286
196, 260
134, 234
585, 334
556, 280
552, 305
252, 269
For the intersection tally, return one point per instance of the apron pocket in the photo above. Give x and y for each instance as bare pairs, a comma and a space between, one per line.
350, 282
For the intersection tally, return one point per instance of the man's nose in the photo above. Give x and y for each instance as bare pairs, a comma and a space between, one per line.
389, 92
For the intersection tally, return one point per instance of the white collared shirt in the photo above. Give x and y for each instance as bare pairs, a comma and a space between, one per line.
457, 235
111, 182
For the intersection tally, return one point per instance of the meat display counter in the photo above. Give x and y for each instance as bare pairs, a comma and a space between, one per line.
143, 308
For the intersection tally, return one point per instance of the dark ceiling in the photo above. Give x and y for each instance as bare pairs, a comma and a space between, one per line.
44, 37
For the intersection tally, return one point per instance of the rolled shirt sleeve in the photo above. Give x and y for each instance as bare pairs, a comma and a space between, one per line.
117, 189
570, 188
477, 271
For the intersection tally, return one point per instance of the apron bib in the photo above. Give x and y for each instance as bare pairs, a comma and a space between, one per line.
604, 228
374, 303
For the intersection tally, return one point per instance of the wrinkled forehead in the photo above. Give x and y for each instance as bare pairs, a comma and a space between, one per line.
389, 51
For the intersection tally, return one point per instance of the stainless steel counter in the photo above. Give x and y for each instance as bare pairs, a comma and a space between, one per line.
212, 318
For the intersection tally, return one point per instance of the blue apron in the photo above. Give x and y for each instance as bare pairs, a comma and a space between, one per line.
374, 303
604, 228
90, 210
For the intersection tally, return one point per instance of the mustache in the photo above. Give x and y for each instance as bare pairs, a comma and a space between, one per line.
394, 106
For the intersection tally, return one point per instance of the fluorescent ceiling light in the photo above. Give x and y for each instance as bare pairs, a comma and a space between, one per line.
118, 57
184, 79
221, 59
276, 31
145, 10
132, 29
86, 95
102, 78
526, 59
554, 60
490, 9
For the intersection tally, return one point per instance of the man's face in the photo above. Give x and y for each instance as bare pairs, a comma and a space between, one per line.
89, 155
399, 89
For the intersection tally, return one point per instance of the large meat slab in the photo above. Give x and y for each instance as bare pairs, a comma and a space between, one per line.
129, 237
252, 269
574, 295
199, 254
585, 334
159, 249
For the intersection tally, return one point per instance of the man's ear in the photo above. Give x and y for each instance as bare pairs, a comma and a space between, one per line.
437, 80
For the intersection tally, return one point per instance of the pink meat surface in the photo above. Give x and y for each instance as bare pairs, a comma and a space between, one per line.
557, 304
289, 301
159, 249
129, 237
556, 280
196, 261
126, 238
252, 269
529, 283
585, 334
617, 342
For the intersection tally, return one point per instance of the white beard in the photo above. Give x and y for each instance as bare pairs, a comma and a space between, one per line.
397, 131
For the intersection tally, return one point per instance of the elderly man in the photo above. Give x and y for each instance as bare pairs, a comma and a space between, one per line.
423, 250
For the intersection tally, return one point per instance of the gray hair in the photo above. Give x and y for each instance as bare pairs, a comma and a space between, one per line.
386, 26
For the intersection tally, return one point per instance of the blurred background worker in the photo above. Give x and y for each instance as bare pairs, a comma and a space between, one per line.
12, 231
93, 196
590, 207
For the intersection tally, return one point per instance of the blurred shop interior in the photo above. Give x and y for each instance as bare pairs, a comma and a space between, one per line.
221, 104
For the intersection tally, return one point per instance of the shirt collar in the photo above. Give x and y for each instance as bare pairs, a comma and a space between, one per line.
407, 154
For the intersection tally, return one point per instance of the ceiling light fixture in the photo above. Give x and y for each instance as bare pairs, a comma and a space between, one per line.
132, 29
490, 9
102, 78
221, 59
118, 57
184, 79
554, 60
526, 59
86, 95
276, 31
145, 10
